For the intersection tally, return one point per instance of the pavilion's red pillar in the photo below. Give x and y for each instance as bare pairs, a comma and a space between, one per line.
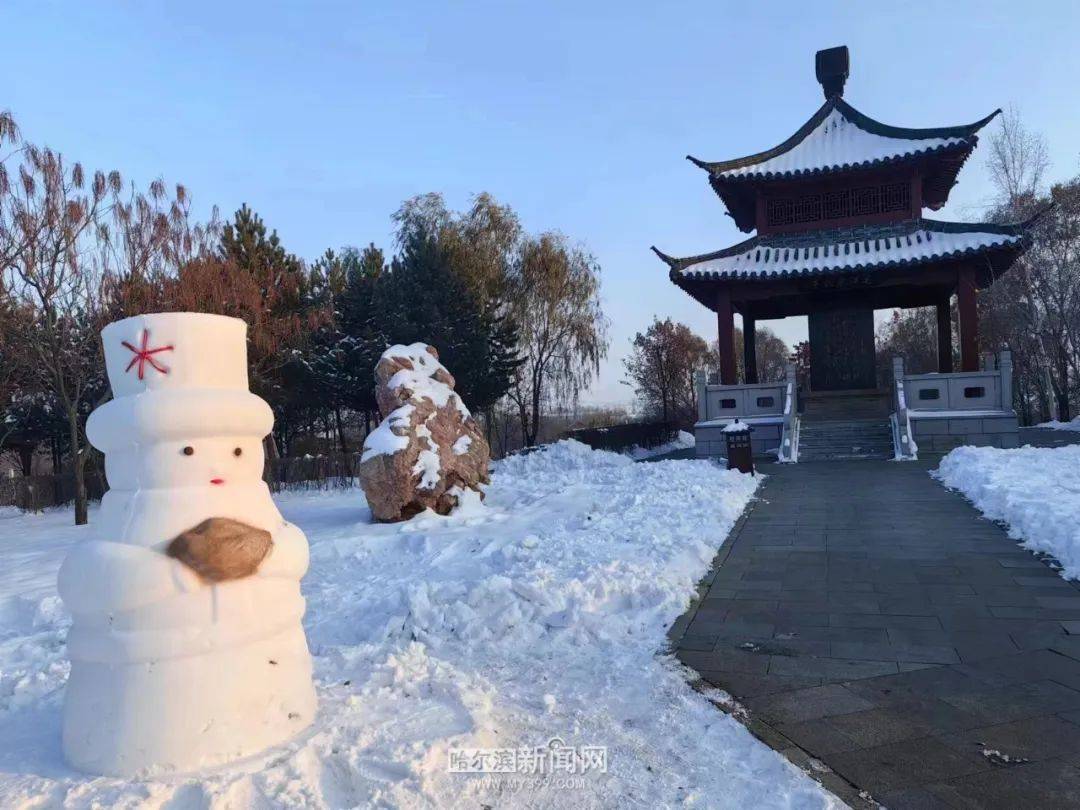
725, 322
969, 319
944, 336
749, 336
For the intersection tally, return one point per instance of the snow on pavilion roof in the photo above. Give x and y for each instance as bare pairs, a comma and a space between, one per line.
848, 249
838, 137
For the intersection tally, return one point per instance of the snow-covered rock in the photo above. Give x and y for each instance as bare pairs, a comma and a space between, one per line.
540, 614
429, 449
1034, 490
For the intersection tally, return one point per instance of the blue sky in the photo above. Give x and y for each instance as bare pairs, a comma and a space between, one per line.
324, 117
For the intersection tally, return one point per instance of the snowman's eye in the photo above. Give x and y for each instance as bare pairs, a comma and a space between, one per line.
237, 452
189, 450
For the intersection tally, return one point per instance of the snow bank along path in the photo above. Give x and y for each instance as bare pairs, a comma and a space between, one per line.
540, 614
1034, 490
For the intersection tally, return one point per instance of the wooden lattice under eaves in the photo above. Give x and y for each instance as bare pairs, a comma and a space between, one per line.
840, 204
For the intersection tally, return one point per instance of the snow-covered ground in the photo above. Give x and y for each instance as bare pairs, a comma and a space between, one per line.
540, 615
683, 441
1054, 424
1034, 490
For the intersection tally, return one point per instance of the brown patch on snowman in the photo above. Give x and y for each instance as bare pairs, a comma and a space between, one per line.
221, 549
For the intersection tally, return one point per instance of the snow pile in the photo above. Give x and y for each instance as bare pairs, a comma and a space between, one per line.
1054, 424
541, 614
683, 441
1035, 490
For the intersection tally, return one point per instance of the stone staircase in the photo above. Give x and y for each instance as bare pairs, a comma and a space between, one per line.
853, 438
845, 425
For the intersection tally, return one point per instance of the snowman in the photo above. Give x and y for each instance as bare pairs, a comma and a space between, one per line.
186, 647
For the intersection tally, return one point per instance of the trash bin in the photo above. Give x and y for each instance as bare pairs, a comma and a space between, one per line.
740, 452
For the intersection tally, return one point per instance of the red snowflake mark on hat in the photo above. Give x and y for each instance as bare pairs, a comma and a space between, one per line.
144, 355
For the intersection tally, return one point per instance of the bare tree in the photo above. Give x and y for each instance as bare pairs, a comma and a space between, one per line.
771, 350
68, 236
1018, 160
661, 367
563, 331
1035, 308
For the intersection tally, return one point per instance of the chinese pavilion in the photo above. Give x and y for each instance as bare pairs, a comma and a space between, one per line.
838, 211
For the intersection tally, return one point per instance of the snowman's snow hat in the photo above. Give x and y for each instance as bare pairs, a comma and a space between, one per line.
176, 375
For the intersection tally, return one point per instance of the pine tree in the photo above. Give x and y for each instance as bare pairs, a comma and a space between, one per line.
423, 299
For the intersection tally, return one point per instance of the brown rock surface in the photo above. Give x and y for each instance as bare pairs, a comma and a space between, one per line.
429, 449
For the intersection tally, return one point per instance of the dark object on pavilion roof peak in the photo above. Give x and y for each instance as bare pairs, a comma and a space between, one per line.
848, 250
839, 138
831, 69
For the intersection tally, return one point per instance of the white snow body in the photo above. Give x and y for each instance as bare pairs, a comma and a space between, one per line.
170, 673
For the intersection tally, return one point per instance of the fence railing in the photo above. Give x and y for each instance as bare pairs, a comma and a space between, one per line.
743, 401
311, 472
37, 492
987, 390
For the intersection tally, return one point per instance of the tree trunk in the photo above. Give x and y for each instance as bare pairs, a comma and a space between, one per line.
1064, 412
534, 427
78, 461
340, 431
26, 459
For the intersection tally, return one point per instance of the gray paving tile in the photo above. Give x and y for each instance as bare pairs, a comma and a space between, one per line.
1019, 561
807, 704
1035, 666
1051, 785
854, 634
1015, 702
1067, 602
887, 621
746, 685
726, 660
911, 763
921, 653
881, 726
912, 799
689, 642
972, 647
831, 669
1069, 646
818, 736
1050, 580
1033, 739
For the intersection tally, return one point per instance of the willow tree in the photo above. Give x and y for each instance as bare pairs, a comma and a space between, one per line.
562, 328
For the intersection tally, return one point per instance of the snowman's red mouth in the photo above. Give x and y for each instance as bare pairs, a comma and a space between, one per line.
217, 481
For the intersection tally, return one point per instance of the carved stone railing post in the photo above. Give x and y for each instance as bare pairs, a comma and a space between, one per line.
702, 395
902, 437
788, 437
1005, 367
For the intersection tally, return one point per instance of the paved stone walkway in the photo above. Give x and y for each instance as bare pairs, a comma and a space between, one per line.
870, 618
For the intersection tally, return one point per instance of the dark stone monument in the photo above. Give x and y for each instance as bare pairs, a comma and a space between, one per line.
842, 350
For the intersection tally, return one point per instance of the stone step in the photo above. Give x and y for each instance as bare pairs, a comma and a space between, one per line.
848, 437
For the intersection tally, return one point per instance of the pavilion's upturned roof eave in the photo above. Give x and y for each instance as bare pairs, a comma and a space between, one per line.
844, 250
827, 151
